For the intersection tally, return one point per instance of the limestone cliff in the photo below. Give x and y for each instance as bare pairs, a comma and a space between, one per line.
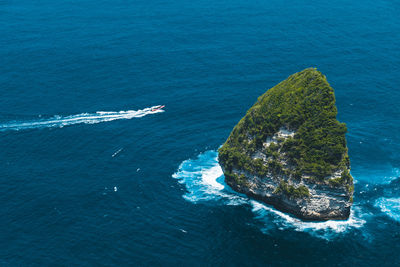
290, 151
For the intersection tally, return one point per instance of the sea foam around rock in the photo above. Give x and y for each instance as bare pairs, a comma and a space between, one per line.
204, 181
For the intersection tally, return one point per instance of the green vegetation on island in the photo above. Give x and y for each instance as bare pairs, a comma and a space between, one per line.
291, 191
316, 151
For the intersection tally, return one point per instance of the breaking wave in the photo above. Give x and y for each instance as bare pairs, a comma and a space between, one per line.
389, 206
204, 181
83, 118
326, 229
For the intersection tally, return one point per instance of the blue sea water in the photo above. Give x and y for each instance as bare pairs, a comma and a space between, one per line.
90, 176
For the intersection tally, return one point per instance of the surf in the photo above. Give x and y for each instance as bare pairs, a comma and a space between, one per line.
389, 206
83, 118
204, 181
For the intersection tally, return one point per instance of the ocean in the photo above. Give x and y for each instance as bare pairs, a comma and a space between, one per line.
92, 175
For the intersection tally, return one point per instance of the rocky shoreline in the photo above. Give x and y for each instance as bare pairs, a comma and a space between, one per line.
290, 151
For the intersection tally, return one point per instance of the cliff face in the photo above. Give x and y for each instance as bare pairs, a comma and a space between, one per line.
290, 151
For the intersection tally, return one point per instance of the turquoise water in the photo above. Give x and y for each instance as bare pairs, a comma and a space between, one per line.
90, 175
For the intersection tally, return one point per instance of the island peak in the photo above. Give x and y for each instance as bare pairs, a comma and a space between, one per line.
289, 150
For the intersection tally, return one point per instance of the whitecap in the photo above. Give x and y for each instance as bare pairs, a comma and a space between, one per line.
116, 152
323, 229
389, 206
204, 181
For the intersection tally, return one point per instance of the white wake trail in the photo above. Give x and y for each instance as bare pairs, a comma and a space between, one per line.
83, 118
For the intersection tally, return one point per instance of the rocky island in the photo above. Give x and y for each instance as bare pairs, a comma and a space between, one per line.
290, 151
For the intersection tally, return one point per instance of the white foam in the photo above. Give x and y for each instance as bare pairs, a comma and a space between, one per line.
116, 153
85, 118
326, 229
210, 176
389, 206
204, 181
